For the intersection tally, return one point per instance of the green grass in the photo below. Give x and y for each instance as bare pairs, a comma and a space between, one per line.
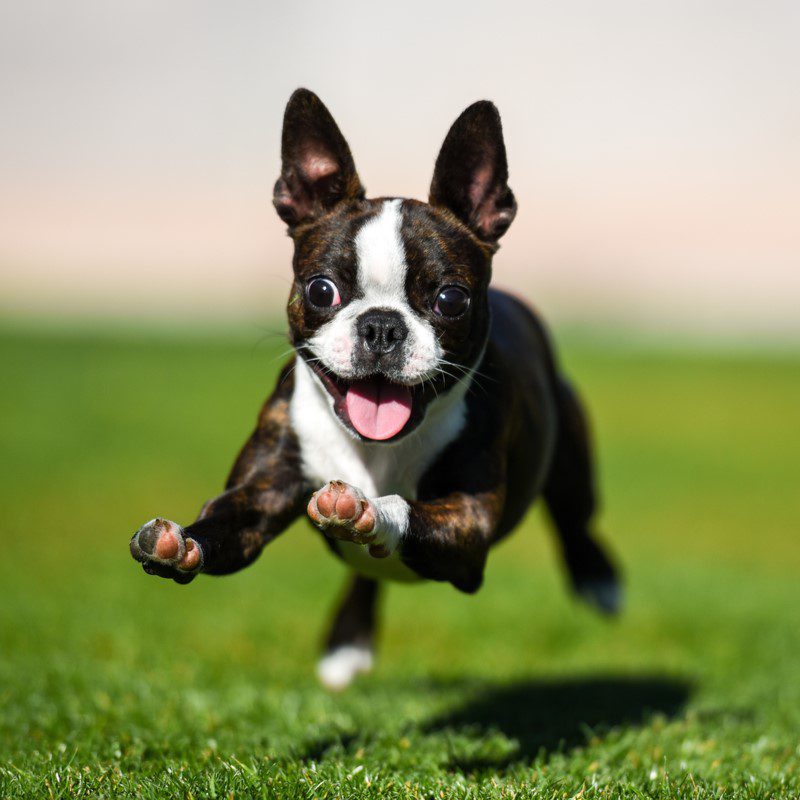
114, 683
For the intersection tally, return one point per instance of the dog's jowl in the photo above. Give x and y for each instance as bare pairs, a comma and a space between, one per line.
422, 412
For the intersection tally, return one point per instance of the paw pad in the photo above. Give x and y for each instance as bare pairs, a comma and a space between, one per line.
162, 548
343, 512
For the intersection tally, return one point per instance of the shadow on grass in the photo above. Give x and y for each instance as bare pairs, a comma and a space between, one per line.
536, 718
547, 716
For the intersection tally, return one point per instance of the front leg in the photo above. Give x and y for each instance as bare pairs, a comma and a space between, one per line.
265, 493
446, 539
230, 532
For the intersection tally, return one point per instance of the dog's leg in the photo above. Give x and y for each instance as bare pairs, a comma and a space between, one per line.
229, 534
349, 647
265, 492
570, 497
445, 539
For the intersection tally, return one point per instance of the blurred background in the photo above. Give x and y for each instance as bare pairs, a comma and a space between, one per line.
654, 149
655, 152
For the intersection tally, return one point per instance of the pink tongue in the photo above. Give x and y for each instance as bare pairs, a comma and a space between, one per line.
378, 409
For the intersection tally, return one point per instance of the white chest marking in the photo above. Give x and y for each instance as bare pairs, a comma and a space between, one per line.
330, 452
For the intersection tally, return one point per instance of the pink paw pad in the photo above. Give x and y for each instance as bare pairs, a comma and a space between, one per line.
163, 542
168, 545
343, 512
191, 559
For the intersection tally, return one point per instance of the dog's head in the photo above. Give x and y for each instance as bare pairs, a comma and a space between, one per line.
389, 305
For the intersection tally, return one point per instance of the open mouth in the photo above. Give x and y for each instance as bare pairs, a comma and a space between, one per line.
375, 407
378, 409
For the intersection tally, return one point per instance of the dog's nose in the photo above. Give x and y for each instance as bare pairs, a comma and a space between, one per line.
381, 330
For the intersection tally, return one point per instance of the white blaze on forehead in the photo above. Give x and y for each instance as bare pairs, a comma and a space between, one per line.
381, 255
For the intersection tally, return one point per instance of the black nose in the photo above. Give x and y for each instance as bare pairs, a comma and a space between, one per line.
381, 330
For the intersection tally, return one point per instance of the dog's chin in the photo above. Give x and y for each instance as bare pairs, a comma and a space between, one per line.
375, 408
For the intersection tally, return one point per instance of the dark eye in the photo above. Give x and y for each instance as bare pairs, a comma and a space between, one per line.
322, 292
452, 301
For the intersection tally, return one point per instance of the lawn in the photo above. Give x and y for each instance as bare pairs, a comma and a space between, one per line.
115, 683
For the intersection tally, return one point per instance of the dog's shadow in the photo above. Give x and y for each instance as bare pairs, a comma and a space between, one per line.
537, 717
544, 716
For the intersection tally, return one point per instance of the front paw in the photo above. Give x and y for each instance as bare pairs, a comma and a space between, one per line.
162, 549
344, 513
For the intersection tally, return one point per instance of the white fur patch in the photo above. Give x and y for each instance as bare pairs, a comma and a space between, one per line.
391, 520
388, 473
381, 255
381, 279
337, 669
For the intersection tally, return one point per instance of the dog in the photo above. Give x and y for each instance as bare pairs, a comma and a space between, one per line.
422, 412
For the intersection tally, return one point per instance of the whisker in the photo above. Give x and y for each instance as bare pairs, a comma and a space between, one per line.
288, 373
282, 355
467, 370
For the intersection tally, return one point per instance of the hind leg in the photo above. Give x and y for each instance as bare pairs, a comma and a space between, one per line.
570, 497
349, 647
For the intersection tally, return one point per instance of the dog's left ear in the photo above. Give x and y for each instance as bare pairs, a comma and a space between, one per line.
317, 169
471, 174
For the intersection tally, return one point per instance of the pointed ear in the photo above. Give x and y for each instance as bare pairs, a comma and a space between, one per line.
471, 174
317, 168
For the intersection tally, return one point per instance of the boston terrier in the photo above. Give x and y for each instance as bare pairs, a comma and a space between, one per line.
422, 412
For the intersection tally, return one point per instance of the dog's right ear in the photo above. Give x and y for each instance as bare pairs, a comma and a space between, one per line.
317, 169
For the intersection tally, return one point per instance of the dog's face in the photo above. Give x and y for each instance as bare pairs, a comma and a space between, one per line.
389, 305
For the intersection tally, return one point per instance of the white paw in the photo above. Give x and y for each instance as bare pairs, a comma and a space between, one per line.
339, 668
